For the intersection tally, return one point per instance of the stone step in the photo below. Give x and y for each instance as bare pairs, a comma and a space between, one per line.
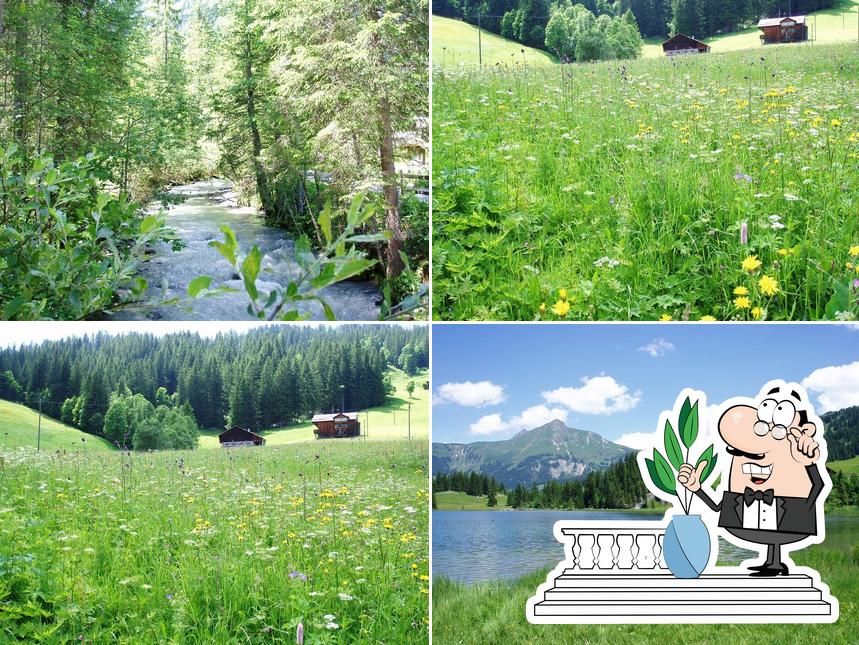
666, 580
716, 611
589, 595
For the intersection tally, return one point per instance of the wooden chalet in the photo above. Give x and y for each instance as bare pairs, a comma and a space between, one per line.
237, 437
680, 44
789, 29
336, 424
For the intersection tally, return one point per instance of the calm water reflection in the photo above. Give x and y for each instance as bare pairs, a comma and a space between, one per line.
474, 546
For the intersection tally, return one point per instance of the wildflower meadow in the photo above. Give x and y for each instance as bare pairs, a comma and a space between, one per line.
319, 542
708, 187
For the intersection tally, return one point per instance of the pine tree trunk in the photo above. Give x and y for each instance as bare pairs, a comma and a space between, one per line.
19, 79
390, 190
256, 141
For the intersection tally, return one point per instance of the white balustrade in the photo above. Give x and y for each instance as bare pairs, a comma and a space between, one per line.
592, 547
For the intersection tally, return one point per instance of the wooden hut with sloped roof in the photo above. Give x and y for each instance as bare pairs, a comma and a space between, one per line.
680, 44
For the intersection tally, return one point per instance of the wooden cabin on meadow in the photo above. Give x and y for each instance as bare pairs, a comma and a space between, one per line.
789, 29
680, 44
336, 424
238, 437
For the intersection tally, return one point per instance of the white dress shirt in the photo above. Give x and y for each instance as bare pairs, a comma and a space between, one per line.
760, 515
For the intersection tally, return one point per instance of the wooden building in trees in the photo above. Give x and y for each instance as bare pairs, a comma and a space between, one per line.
238, 437
680, 44
337, 424
789, 29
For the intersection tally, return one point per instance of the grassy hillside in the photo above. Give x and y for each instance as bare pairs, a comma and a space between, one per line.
834, 25
389, 421
455, 42
18, 428
847, 466
450, 500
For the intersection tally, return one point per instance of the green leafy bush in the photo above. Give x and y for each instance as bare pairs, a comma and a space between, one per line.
67, 250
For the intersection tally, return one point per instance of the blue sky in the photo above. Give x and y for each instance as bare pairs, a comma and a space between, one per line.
490, 381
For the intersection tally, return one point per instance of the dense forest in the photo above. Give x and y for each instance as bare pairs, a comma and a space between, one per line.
841, 429
472, 483
106, 103
142, 391
531, 21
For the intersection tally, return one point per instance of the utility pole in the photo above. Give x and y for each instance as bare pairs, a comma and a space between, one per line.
410, 420
479, 41
342, 398
39, 432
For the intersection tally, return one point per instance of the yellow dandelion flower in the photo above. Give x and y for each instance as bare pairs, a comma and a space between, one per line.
742, 302
854, 250
768, 285
561, 308
707, 318
783, 252
562, 294
835, 123
741, 291
542, 308
751, 263
848, 266
757, 312
665, 317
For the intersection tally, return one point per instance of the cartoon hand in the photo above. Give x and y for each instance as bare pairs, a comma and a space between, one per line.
690, 476
803, 448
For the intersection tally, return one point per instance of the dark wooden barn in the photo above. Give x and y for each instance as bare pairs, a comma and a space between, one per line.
680, 44
336, 424
237, 437
790, 29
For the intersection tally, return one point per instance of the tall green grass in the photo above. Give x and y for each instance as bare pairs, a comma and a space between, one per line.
494, 612
620, 190
223, 546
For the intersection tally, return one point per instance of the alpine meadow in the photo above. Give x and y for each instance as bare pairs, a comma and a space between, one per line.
121, 523
699, 187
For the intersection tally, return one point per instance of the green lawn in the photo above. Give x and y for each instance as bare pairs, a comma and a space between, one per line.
455, 501
455, 42
389, 421
19, 424
848, 466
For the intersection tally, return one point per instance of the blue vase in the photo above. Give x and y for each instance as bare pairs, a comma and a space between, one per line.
686, 546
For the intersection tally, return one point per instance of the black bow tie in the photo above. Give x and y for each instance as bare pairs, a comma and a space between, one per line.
750, 496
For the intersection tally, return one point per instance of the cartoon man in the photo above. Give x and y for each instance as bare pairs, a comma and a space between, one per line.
774, 480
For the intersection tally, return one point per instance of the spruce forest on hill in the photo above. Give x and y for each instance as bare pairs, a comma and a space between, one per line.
140, 391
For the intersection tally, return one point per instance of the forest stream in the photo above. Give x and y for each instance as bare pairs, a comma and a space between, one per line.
207, 206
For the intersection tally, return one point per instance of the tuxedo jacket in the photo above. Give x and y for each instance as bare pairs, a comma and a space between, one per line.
793, 514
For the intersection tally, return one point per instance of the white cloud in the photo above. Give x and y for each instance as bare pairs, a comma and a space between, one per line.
599, 395
490, 424
472, 395
836, 386
533, 417
636, 440
536, 416
657, 347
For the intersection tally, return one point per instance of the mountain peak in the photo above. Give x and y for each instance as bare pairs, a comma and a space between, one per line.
550, 451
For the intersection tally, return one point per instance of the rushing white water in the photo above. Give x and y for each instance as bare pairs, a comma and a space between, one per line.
197, 221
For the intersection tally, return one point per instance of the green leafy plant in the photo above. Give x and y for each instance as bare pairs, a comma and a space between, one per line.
339, 260
68, 250
662, 470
